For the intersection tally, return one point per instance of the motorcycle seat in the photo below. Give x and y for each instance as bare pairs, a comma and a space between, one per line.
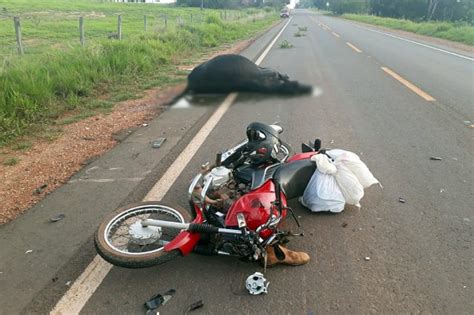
293, 177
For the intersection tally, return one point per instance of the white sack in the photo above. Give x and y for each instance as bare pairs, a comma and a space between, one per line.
323, 164
355, 165
323, 194
349, 185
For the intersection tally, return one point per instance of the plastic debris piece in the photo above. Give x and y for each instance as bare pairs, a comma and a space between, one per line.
194, 306
158, 143
40, 189
402, 200
436, 158
68, 283
441, 190
145, 125
29, 251
344, 224
58, 218
367, 258
257, 284
158, 299
152, 312
55, 279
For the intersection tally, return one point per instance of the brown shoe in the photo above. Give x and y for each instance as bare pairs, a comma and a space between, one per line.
280, 255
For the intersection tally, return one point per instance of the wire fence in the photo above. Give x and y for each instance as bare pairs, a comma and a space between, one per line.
39, 33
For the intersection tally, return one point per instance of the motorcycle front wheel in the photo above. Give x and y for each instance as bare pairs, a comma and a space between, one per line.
123, 241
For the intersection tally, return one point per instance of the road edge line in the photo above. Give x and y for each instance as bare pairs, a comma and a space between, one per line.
418, 43
77, 296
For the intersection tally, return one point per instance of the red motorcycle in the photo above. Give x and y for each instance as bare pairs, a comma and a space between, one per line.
236, 205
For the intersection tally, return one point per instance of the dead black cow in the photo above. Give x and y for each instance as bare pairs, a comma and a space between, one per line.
235, 73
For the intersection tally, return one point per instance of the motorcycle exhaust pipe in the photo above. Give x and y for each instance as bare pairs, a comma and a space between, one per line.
191, 227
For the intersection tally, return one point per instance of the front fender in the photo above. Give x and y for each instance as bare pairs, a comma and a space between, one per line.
186, 241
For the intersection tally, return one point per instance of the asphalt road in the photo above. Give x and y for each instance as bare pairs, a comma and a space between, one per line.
421, 255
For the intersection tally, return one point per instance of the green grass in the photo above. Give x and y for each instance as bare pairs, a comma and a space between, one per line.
458, 32
11, 161
57, 75
285, 44
22, 146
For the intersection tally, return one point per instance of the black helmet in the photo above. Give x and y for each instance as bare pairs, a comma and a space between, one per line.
262, 143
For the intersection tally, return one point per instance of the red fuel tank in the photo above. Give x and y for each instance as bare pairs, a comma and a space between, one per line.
256, 206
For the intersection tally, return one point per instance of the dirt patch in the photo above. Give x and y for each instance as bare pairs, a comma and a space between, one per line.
45, 166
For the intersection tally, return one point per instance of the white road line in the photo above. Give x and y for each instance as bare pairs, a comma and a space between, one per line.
267, 50
84, 287
418, 43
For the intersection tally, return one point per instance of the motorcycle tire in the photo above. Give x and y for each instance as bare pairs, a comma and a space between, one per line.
138, 257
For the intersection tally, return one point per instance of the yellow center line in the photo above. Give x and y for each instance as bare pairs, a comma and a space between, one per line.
336, 34
409, 85
326, 26
353, 47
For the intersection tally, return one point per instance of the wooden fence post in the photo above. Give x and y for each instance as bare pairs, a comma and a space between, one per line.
166, 21
81, 30
145, 22
191, 22
119, 27
16, 22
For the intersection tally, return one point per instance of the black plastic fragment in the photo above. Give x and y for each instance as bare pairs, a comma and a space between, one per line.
58, 218
159, 299
194, 306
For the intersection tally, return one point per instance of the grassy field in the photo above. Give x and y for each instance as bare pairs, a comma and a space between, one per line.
56, 75
463, 33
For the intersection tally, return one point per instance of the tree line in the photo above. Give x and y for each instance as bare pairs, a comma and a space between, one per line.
232, 4
417, 10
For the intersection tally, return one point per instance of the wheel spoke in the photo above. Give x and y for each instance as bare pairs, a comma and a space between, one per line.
118, 234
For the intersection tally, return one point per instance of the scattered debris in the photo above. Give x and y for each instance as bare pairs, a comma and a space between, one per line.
40, 189
29, 251
466, 220
145, 125
332, 141
55, 279
68, 283
256, 284
402, 200
57, 218
158, 143
157, 300
441, 190
436, 158
367, 258
194, 306
344, 224
455, 159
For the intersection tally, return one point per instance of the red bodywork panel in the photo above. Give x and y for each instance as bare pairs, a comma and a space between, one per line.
301, 156
186, 241
256, 207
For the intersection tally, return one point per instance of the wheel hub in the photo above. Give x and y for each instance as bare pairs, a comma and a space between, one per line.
144, 235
